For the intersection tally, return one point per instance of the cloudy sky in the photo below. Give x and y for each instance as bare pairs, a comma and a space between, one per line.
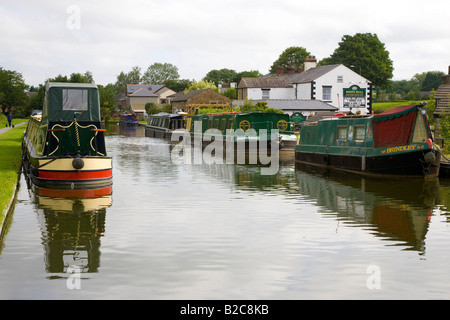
41, 39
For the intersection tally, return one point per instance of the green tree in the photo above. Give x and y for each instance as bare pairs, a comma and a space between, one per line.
365, 54
178, 85
203, 84
432, 80
261, 106
291, 57
248, 74
222, 75
108, 103
230, 93
132, 77
157, 73
36, 101
12, 88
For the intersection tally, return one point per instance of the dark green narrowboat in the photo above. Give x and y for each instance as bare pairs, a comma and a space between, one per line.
66, 147
252, 129
161, 125
397, 142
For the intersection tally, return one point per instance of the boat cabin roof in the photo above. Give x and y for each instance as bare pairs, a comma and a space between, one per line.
65, 101
165, 115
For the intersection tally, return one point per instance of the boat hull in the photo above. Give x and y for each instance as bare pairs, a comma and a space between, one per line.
67, 171
160, 133
411, 164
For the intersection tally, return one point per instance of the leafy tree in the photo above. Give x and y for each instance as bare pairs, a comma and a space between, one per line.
432, 80
74, 78
222, 75
230, 93
36, 101
157, 73
365, 54
203, 84
108, 103
132, 77
12, 88
291, 57
177, 85
249, 106
248, 74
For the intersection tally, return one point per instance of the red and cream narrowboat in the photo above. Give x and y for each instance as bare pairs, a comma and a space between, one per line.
66, 147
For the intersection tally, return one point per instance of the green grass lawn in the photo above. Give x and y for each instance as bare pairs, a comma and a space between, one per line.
379, 107
10, 161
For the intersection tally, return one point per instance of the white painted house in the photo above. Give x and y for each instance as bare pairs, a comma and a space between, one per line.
335, 85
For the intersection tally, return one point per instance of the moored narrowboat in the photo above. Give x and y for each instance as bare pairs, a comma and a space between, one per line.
128, 120
397, 142
66, 147
161, 125
252, 130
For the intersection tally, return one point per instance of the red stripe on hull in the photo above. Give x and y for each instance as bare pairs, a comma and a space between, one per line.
75, 175
89, 193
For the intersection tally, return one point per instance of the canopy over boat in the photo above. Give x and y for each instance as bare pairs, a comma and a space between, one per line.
65, 101
397, 126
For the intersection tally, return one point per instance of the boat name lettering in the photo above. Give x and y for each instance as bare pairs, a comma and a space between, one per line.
399, 149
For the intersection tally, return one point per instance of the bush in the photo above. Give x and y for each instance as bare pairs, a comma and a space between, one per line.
3, 120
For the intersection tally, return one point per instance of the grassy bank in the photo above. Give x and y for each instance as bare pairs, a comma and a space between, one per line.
379, 107
10, 161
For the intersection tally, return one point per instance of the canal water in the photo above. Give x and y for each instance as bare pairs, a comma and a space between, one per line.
172, 230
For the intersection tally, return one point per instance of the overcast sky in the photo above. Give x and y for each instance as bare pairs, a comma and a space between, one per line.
42, 39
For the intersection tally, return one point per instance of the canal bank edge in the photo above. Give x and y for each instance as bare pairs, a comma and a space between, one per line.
7, 213
9, 208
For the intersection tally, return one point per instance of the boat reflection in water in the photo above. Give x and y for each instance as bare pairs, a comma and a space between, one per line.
72, 223
396, 210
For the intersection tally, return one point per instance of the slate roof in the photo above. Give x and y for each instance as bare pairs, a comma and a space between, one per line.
291, 104
143, 90
311, 74
269, 81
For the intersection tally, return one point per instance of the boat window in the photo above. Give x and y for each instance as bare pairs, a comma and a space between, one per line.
75, 99
216, 123
360, 132
209, 123
188, 124
223, 124
342, 133
230, 123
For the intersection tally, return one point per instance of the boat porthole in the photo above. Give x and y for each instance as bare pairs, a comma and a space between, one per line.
244, 125
282, 125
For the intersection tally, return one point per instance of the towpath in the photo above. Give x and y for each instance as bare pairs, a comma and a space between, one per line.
3, 130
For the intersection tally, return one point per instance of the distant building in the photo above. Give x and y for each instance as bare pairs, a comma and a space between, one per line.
138, 95
335, 85
186, 102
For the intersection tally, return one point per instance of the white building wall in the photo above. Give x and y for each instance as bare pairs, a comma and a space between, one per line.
349, 78
304, 91
275, 93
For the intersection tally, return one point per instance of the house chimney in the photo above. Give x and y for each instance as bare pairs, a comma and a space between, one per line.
291, 70
300, 69
280, 70
310, 62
